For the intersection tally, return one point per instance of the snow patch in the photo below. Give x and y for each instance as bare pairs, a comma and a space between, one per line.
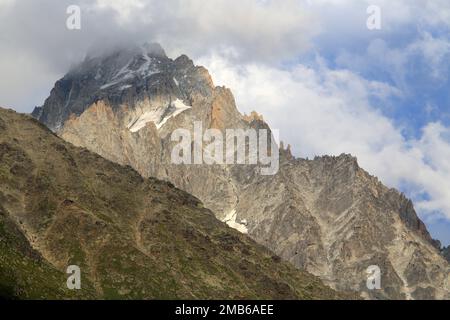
158, 116
230, 220
68, 99
144, 70
98, 75
125, 73
110, 84
125, 86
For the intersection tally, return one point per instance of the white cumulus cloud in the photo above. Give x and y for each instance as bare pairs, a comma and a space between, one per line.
322, 111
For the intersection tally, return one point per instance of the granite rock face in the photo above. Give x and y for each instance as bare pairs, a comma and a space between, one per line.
325, 215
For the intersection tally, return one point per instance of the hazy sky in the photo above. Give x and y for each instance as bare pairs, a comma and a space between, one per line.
312, 68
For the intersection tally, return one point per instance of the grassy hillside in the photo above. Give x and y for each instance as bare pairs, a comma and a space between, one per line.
133, 238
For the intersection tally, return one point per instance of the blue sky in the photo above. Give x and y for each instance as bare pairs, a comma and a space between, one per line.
312, 68
425, 95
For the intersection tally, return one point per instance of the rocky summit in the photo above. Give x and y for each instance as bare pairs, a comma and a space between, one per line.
132, 238
327, 215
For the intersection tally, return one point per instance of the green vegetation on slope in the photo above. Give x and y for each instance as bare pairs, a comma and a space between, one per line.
133, 238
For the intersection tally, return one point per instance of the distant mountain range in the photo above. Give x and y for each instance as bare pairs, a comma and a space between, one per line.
326, 216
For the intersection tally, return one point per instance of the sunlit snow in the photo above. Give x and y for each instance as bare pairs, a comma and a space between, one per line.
230, 220
158, 116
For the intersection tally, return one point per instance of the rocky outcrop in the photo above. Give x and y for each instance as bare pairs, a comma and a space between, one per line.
446, 253
325, 215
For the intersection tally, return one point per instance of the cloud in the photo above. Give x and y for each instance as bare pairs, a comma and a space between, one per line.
396, 15
124, 9
254, 30
24, 81
436, 51
426, 56
36, 48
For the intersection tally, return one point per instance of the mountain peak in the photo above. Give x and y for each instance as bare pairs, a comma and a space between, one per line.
154, 49
126, 75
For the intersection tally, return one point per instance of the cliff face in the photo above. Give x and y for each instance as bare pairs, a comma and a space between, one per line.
330, 217
133, 238
326, 215
446, 253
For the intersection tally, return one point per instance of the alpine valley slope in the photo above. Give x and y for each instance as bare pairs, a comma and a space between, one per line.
133, 238
326, 215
